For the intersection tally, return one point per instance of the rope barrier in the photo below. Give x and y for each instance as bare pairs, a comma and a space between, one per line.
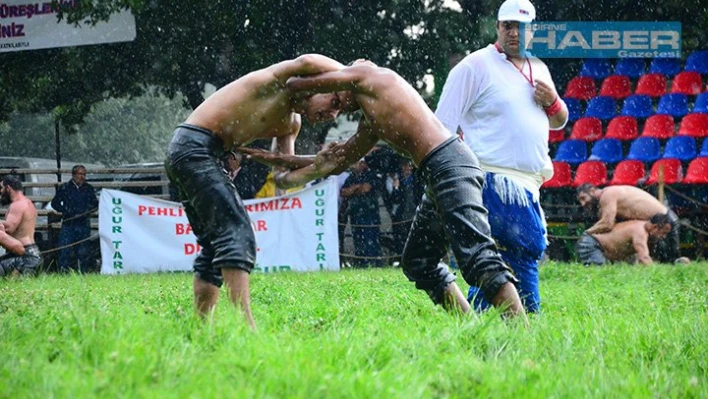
696, 229
687, 198
69, 245
377, 225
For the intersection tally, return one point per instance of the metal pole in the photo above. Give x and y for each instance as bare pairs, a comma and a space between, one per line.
57, 148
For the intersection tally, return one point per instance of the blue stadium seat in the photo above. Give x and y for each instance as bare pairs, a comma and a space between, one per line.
632, 67
680, 147
665, 66
572, 151
701, 104
638, 106
607, 151
674, 104
697, 62
602, 107
645, 149
704, 149
575, 109
596, 68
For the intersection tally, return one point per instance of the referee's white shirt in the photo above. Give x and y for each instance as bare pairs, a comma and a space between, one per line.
492, 103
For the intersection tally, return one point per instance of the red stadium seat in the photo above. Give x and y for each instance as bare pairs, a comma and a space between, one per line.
581, 88
697, 172
622, 128
673, 172
561, 176
628, 172
556, 136
616, 86
659, 126
593, 172
652, 85
694, 125
587, 129
688, 83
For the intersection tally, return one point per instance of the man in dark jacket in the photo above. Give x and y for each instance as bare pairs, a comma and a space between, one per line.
75, 199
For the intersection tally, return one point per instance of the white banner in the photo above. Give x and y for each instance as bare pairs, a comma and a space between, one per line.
27, 25
297, 231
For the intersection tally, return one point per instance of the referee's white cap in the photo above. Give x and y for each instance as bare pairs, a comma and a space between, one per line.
517, 10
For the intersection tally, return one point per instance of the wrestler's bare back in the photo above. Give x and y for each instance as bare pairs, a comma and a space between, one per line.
24, 232
255, 106
397, 114
618, 244
634, 203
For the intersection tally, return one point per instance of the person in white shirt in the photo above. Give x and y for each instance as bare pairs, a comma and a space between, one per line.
504, 102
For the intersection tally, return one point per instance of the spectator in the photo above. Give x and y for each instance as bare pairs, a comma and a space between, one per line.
406, 193
363, 208
76, 200
504, 102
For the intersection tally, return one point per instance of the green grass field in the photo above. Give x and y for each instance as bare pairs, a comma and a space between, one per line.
605, 332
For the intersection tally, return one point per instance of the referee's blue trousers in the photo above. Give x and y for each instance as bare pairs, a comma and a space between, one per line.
520, 234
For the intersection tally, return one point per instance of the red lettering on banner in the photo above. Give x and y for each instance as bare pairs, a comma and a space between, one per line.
160, 211
259, 225
191, 249
183, 228
280, 204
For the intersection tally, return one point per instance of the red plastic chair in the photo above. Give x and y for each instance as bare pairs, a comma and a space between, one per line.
694, 125
561, 176
659, 126
673, 172
556, 136
628, 173
593, 172
581, 88
697, 172
616, 86
652, 85
622, 128
587, 129
688, 83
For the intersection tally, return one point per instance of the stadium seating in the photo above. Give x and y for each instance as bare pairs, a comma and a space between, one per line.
698, 62
638, 106
628, 172
645, 149
587, 129
607, 150
665, 66
697, 172
617, 87
556, 136
575, 110
632, 67
688, 83
704, 149
562, 176
596, 68
602, 107
581, 88
593, 172
680, 147
673, 172
623, 128
660, 126
674, 104
694, 125
572, 151
652, 85
701, 104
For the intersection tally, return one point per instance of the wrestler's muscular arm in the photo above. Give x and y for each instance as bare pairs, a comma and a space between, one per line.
608, 212
639, 241
10, 243
14, 217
